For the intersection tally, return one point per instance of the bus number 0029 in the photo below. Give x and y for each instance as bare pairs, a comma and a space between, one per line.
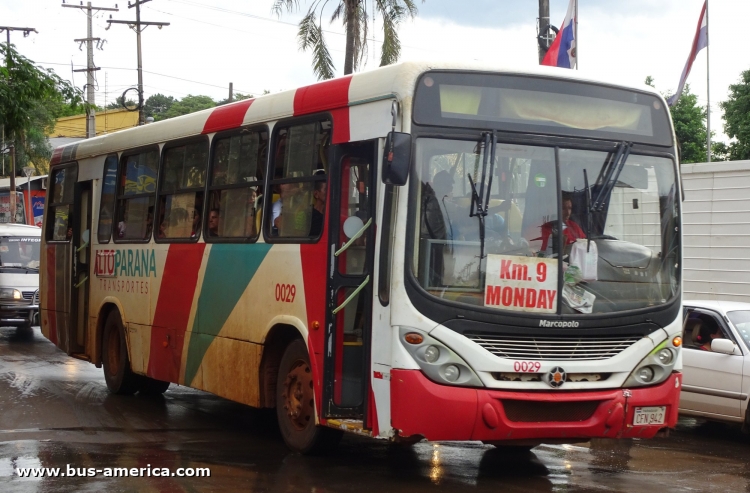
286, 292
527, 366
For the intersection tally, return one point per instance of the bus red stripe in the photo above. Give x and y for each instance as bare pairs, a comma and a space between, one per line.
173, 310
227, 116
322, 96
49, 302
314, 279
331, 95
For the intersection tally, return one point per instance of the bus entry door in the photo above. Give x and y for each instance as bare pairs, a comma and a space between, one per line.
350, 278
80, 282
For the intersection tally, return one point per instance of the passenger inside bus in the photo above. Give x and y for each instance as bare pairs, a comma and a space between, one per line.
213, 222
251, 213
319, 208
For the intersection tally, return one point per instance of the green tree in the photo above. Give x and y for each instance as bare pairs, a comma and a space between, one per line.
690, 127
356, 19
237, 97
157, 104
118, 104
737, 117
31, 99
689, 122
188, 104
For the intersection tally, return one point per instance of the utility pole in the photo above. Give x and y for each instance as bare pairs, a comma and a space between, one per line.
136, 26
231, 93
543, 29
26, 32
90, 68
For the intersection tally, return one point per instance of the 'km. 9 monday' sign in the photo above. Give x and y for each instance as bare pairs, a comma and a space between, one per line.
525, 284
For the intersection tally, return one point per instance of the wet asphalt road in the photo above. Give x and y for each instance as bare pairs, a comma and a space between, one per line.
55, 411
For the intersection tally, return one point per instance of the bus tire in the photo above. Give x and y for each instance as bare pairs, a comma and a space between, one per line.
117, 373
295, 404
152, 386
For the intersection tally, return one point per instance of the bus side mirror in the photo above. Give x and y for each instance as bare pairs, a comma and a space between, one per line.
396, 158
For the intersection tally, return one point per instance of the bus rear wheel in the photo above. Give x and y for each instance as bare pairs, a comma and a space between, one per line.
117, 373
295, 404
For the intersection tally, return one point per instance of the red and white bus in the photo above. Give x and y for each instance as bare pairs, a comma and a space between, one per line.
420, 251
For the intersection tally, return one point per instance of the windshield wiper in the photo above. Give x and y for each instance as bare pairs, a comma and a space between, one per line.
479, 201
610, 174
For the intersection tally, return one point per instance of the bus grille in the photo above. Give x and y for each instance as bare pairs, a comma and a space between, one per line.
540, 412
35, 301
28, 295
552, 348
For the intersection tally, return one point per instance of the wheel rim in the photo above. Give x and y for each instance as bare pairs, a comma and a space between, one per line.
298, 395
113, 352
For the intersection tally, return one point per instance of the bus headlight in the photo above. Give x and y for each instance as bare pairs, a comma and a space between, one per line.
654, 368
451, 373
646, 373
436, 360
431, 354
665, 356
10, 294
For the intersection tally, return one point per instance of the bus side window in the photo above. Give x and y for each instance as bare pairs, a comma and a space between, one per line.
299, 182
183, 176
236, 186
136, 192
107, 205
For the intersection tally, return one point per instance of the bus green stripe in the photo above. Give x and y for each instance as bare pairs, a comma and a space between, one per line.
229, 269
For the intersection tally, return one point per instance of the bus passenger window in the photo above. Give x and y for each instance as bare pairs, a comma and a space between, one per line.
181, 192
236, 186
299, 183
135, 196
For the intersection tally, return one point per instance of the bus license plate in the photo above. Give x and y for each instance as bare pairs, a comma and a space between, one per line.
645, 416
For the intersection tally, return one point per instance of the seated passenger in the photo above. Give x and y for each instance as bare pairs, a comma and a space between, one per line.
319, 208
213, 222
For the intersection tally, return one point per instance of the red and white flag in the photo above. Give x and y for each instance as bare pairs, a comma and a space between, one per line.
699, 42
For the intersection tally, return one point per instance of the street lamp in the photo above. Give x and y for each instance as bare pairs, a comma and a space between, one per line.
28, 171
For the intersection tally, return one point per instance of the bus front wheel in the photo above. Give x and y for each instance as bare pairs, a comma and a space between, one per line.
295, 404
117, 373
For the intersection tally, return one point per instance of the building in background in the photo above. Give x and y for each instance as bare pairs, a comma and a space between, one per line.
107, 121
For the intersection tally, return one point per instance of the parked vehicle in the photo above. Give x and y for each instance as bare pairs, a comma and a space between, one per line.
716, 361
19, 274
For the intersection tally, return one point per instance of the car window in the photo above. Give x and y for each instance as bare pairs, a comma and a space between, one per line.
700, 329
741, 320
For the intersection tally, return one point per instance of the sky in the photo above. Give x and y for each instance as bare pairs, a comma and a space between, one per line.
210, 43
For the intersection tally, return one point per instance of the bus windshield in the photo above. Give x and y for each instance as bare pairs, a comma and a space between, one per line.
619, 244
20, 251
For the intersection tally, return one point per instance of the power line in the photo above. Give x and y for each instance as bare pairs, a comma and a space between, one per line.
136, 26
162, 75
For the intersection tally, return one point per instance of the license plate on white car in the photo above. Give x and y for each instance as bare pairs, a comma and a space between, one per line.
645, 416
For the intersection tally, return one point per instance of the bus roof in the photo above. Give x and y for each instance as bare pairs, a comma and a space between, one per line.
391, 82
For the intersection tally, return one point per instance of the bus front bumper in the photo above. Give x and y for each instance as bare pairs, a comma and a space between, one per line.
420, 407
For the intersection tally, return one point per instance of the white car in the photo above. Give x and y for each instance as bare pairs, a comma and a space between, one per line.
716, 361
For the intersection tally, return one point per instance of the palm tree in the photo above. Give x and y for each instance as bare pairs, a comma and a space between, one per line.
356, 18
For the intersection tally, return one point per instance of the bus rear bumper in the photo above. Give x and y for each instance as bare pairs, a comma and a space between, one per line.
439, 412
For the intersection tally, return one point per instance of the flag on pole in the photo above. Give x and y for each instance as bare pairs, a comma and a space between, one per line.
699, 42
562, 53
